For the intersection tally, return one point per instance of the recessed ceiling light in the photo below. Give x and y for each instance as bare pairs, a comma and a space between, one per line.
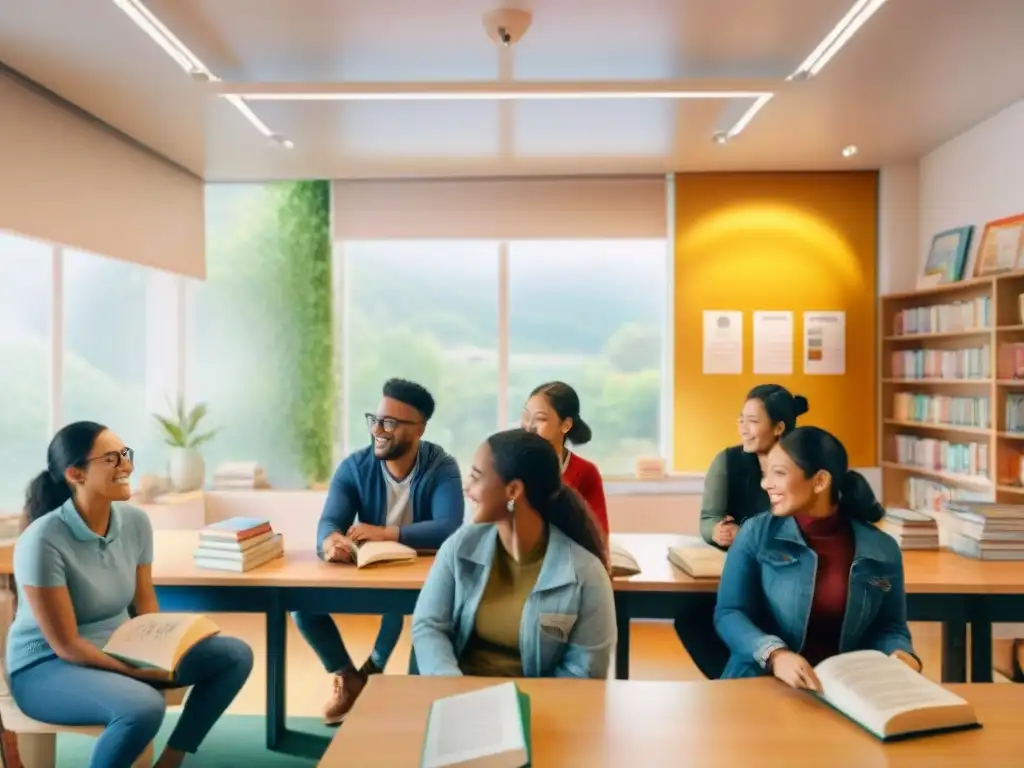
849, 151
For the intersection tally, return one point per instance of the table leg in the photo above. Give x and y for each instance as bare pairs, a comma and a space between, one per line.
277, 634
954, 652
981, 650
622, 630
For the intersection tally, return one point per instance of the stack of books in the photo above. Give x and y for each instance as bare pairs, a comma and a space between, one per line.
912, 530
238, 544
239, 476
987, 530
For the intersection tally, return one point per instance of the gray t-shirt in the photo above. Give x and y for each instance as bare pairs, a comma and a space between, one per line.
399, 497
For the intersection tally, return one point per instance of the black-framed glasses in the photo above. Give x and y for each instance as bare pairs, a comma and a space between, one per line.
387, 424
115, 458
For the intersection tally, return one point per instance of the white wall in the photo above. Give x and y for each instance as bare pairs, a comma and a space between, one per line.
974, 178
897, 227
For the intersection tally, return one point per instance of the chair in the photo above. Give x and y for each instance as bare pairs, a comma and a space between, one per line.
37, 742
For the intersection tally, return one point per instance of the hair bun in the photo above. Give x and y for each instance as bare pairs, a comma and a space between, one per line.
800, 405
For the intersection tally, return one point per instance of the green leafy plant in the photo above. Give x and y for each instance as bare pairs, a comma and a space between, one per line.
182, 429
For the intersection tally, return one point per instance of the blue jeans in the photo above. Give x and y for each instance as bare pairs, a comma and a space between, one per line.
131, 711
323, 637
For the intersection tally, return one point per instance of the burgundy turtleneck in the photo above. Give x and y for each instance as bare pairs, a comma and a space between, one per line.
831, 538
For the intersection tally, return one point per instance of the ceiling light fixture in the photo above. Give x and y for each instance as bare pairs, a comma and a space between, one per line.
850, 151
749, 115
855, 18
721, 137
145, 20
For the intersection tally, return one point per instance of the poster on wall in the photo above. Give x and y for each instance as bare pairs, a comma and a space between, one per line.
723, 342
825, 343
773, 342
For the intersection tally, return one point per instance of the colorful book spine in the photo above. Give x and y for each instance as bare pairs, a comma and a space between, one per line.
952, 364
969, 459
969, 315
944, 410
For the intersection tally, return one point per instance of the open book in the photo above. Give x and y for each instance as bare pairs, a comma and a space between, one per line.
159, 640
623, 562
889, 699
371, 552
488, 728
698, 562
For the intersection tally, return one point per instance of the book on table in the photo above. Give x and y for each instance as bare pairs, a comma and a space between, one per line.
987, 531
238, 544
911, 529
486, 728
380, 552
698, 562
889, 699
622, 560
159, 640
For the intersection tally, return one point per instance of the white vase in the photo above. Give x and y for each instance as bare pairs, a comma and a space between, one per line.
187, 469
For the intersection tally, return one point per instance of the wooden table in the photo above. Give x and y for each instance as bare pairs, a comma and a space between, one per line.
941, 587
725, 724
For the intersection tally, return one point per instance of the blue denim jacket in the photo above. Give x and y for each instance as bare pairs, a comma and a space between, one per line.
767, 586
568, 623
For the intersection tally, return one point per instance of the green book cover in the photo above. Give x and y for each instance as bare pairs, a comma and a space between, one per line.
523, 708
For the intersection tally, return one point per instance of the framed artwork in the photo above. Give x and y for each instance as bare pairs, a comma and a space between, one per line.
946, 257
1002, 246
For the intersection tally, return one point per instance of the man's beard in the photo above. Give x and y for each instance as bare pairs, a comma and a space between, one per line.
394, 450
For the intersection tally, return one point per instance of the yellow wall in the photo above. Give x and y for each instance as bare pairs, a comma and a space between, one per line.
775, 241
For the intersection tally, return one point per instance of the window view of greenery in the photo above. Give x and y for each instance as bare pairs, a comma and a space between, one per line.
26, 296
259, 332
592, 313
425, 311
105, 348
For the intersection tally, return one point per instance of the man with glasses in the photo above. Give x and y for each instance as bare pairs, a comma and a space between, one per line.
400, 488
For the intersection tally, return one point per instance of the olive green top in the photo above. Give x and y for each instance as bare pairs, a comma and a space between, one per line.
714, 504
493, 648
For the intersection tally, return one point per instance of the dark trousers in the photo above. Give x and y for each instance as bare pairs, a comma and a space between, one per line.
695, 626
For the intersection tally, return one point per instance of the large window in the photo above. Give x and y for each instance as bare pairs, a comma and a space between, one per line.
425, 311
259, 346
592, 313
106, 340
26, 307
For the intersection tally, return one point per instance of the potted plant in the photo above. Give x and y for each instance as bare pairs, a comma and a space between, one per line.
181, 432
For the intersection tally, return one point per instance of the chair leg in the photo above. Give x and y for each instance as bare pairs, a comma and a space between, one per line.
145, 760
38, 750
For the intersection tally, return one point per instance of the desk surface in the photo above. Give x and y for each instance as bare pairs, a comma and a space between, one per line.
727, 723
935, 572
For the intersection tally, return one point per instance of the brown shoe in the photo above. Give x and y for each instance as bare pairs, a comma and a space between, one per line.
347, 687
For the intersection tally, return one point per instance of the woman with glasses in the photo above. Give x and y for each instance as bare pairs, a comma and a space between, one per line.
553, 412
82, 566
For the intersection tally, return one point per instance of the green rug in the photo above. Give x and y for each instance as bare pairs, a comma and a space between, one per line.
237, 740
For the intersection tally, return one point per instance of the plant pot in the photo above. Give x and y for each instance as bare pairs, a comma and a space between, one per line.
187, 469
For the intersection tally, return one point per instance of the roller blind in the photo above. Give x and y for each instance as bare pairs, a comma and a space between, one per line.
501, 209
66, 180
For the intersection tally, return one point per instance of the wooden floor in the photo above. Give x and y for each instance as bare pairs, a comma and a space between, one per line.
656, 655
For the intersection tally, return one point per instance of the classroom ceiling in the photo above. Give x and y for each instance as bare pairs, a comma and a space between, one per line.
916, 74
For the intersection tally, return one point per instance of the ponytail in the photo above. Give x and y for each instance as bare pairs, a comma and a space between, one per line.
43, 495
856, 499
569, 513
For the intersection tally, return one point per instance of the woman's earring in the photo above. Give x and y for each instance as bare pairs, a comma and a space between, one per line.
511, 506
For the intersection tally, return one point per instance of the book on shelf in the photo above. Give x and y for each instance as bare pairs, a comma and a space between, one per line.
942, 410
988, 530
968, 315
623, 562
1015, 413
159, 640
888, 699
380, 552
239, 476
950, 364
966, 459
911, 529
1010, 361
698, 562
486, 728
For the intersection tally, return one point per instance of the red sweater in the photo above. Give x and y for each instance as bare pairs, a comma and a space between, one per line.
585, 477
831, 538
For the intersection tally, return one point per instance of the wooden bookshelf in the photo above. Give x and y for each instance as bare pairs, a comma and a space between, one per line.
918, 416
